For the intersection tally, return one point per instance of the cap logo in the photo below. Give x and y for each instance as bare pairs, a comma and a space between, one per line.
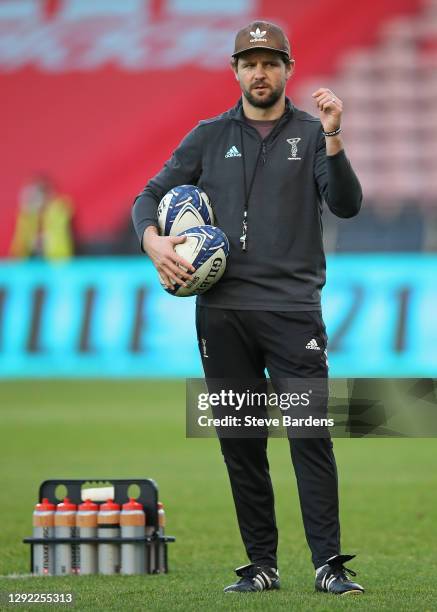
258, 36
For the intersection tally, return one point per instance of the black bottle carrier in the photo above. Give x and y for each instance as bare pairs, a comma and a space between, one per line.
148, 497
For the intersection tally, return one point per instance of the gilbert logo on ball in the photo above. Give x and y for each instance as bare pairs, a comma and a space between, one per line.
184, 207
206, 249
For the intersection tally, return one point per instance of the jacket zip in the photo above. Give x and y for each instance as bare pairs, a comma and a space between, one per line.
262, 154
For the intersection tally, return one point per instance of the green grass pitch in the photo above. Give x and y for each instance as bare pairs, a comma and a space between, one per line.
50, 429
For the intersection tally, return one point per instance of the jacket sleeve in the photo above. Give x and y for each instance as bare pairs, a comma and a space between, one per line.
183, 168
337, 182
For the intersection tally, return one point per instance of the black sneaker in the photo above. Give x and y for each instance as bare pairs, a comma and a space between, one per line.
332, 577
254, 578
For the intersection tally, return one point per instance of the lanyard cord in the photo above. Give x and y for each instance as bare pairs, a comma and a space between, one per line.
247, 192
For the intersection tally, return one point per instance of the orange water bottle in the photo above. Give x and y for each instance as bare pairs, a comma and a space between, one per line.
108, 526
161, 561
43, 527
65, 527
132, 525
86, 520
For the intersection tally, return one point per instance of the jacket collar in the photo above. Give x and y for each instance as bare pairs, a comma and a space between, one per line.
237, 114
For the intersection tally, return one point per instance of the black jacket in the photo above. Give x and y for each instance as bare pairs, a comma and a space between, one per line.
284, 265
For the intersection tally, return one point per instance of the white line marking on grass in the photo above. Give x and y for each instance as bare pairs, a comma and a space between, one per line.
15, 576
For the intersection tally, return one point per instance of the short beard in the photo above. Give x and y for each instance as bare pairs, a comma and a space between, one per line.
267, 102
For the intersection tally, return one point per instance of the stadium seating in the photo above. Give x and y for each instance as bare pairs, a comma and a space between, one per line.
390, 127
106, 111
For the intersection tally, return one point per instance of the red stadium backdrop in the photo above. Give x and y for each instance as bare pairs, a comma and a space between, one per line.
96, 94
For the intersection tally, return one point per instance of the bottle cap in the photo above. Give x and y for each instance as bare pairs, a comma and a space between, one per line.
110, 505
132, 504
88, 505
65, 506
45, 506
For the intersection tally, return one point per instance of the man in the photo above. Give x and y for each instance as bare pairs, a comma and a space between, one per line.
266, 166
44, 223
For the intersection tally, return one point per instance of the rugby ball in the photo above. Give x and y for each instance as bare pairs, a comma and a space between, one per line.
206, 249
183, 207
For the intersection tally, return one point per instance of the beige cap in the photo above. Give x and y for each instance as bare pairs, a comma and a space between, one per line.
261, 35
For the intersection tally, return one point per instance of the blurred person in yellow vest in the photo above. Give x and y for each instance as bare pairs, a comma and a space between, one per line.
44, 222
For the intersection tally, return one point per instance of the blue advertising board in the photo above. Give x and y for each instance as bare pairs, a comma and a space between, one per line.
109, 317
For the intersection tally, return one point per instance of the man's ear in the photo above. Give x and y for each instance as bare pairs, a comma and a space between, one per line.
233, 65
290, 69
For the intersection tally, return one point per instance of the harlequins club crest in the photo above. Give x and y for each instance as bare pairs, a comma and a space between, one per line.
293, 143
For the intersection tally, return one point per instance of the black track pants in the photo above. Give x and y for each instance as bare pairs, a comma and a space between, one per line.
241, 345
